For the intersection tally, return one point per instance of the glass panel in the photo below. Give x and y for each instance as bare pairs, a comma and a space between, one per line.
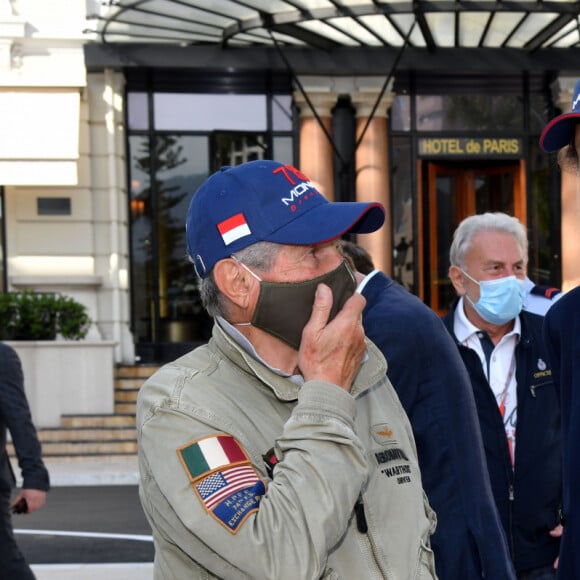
400, 113
283, 150
383, 28
282, 113
208, 112
494, 192
469, 113
182, 165
544, 263
137, 111
402, 208
235, 148
538, 113
141, 238
446, 187
442, 25
471, 27
166, 304
501, 27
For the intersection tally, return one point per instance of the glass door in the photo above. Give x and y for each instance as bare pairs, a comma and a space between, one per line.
455, 192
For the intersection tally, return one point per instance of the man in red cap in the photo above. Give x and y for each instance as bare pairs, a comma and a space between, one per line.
562, 336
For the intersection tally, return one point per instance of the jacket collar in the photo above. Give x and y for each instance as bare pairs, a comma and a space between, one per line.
371, 372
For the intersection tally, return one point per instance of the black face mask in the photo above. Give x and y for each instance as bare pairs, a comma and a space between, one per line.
284, 308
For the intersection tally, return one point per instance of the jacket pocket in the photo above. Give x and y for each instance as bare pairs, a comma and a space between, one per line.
536, 388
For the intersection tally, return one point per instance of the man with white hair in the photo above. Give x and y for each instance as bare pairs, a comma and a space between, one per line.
503, 350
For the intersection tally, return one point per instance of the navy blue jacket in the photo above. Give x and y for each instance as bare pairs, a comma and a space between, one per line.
15, 417
528, 500
430, 379
562, 334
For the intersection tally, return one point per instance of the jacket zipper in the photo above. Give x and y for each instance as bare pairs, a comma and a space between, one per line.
511, 497
367, 543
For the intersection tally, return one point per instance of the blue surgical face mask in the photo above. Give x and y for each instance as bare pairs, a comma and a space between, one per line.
500, 300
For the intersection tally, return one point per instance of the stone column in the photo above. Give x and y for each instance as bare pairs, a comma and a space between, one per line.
316, 158
372, 171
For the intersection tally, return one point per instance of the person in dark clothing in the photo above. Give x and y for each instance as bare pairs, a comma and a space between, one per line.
562, 336
15, 417
433, 387
503, 350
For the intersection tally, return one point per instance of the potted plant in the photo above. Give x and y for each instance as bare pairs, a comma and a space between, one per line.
32, 315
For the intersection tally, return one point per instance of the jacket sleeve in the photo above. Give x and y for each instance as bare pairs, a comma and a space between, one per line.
305, 510
432, 383
15, 414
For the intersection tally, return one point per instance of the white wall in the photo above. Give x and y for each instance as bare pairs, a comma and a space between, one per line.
63, 136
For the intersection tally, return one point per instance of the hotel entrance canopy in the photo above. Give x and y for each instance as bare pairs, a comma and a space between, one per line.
339, 36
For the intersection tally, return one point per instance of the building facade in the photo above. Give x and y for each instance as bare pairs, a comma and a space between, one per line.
104, 143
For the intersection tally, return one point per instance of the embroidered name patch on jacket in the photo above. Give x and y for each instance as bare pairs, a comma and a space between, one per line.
223, 478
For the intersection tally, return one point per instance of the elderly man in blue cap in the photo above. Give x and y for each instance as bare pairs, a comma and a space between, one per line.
562, 335
280, 449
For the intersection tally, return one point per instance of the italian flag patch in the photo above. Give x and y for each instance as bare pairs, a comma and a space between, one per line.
207, 455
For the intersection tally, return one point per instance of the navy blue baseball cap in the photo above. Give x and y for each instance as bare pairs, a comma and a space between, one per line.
559, 131
267, 201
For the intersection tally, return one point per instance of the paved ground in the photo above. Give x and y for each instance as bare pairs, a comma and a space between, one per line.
92, 527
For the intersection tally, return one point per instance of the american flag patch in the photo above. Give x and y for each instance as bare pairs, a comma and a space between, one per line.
231, 495
234, 228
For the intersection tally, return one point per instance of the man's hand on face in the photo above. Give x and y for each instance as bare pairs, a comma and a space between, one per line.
333, 352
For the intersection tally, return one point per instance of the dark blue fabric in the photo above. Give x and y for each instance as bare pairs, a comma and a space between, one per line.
15, 417
430, 379
536, 487
543, 573
562, 335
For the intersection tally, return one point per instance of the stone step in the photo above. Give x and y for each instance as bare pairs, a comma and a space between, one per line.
142, 371
78, 448
126, 395
125, 407
97, 420
87, 434
122, 383
101, 435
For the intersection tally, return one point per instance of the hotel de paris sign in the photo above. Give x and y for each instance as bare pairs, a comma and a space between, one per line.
491, 147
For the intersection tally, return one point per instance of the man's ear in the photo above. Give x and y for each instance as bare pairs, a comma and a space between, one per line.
233, 281
457, 279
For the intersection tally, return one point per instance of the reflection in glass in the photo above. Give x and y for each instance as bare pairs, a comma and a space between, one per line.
158, 210
494, 192
141, 236
402, 203
236, 148
447, 203
468, 112
544, 262
400, 113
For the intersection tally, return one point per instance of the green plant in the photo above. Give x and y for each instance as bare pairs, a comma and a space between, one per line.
31, 315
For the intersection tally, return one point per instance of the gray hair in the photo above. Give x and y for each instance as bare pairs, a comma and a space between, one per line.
259, 256
485, 222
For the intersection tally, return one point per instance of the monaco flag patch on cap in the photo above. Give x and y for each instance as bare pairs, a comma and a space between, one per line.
223, 478
234, 228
